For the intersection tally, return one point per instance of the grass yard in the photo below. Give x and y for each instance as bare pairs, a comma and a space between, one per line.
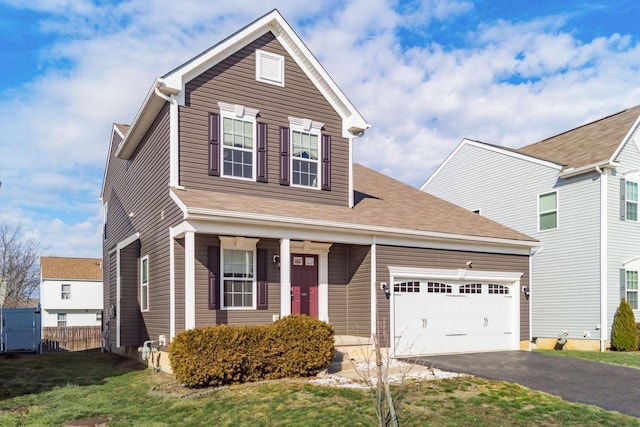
630, 359
54, 389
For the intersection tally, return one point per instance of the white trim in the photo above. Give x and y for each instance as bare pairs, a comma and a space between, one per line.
492, 148
142, 302
242, 244
593, 167
174, 143
285, 277
604, 257
322, 251
189, 281
374, 287
261, 55
172, 286
626, 139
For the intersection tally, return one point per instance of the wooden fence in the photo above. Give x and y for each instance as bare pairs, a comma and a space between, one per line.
71, 338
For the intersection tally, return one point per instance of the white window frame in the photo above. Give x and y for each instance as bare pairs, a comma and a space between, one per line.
144, 286
632, 265
627, 202
310, 127
556, 210
628, 290
105, 210
62, 320
245, 114
65, 294
239, 244
265, 77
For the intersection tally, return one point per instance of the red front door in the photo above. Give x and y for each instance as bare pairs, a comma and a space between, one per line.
304, 284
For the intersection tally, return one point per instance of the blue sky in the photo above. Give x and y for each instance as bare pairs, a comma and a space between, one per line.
424, 73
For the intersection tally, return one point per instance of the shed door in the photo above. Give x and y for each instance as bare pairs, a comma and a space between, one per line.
21, 329
436, 317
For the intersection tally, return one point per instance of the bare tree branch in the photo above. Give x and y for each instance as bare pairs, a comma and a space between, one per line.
19, 268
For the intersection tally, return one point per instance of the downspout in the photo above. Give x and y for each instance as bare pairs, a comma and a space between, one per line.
531, 294
603, 256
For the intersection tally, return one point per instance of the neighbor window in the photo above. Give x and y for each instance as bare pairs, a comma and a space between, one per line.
631, 198
144, 283
65, 291
238, 273
62, 319
548, 211
631, 286
238, 135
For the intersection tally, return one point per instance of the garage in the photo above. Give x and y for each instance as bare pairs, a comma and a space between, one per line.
453, 311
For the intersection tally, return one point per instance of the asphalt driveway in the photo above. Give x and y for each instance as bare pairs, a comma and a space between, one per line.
610, 387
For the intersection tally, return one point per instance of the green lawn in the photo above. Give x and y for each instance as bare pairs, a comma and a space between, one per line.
631, 359
52, 389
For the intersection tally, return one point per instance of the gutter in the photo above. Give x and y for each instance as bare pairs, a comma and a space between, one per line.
604, 231
597, 167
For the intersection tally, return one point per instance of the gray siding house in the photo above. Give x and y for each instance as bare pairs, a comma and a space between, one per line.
232, 198
577, 193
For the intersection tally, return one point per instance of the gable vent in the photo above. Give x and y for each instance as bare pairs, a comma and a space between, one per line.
269, 68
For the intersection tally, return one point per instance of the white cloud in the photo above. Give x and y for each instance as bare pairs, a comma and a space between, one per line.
512, 84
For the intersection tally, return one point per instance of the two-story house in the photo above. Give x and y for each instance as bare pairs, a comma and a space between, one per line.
232, 198
577, 193
71, 291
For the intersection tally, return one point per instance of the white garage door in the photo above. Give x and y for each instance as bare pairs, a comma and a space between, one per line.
453, 316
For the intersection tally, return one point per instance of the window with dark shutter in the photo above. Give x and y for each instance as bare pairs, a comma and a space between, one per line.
326, 162
284, 155
262, 153
214, 144
214, 277
263, 284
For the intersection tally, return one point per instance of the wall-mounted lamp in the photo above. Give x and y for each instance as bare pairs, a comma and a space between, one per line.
526, 292
385, 288
469, 264
276, 259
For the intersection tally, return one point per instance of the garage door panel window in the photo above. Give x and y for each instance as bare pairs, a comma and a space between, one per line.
407, 287
471, 288
498, 289
438, 288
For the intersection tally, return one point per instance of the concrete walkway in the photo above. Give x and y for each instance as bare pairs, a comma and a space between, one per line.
610, 387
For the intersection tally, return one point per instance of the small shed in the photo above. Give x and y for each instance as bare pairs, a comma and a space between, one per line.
20, 329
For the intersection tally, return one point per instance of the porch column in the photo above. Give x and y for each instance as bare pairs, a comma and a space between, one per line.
189, 281
285, 277
323, 285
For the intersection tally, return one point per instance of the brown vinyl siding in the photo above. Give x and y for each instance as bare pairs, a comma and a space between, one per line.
233, 81
129, 299
436, 258
137, 194
179, 283
359, 293
110, 290
205, 316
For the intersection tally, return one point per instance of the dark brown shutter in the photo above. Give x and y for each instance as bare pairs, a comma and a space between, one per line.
262, 153
263, 284
326, 162
214, 144
214, 277
284, 155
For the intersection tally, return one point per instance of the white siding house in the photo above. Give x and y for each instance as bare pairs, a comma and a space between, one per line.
577, 194
71, 291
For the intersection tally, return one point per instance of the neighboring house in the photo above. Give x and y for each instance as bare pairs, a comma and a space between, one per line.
71, 291
232, 199
577, 193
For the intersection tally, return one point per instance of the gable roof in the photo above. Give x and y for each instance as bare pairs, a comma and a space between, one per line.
172, 85
62, 268
594, 143
382, 205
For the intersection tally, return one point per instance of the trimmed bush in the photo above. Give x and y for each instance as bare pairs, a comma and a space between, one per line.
624, 335
216, 355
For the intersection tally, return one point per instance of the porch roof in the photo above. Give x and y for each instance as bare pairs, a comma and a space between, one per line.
380, 202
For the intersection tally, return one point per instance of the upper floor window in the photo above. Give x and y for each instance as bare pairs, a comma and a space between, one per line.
548, 211
144, 283
65, 291
62, 319
631, 200
238, 273
305, 152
